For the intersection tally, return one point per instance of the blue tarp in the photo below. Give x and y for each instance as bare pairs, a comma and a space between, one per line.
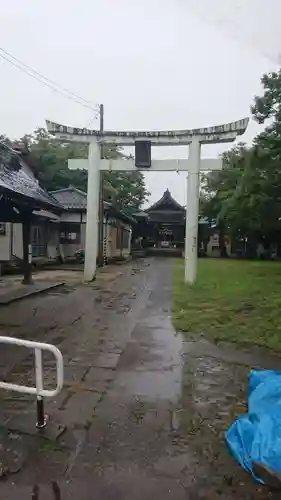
256, 436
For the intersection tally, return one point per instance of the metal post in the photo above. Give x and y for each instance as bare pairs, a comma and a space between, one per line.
38, 390
101, 196
130, 242
91, 246
41, 417
27, 250
192, 212
105, 230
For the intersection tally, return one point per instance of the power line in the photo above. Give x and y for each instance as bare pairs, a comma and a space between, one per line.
45, 81
92, 119
45, 78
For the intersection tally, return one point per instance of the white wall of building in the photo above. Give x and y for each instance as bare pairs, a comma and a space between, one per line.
11, 246
71, 217
127, 242
17, 245
5, 244
53, 241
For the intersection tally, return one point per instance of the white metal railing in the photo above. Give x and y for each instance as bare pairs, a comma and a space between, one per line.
38, 390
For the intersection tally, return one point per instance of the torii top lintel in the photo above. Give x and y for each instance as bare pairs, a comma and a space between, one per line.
217, 134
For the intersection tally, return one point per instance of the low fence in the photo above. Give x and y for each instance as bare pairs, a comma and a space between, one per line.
38, 390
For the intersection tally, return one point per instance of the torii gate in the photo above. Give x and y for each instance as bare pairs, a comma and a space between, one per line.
193, 165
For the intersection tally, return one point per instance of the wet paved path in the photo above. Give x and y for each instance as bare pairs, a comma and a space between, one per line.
146, 411
130, 447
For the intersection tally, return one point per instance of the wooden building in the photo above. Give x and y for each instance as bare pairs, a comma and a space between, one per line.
117, 226
57, 236
24, 204
161, 229
161, 226
164, 223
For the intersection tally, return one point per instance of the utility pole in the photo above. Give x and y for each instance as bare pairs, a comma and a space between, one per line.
101, 207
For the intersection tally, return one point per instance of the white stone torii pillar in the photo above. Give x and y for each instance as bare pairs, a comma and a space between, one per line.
193, 165
192, 212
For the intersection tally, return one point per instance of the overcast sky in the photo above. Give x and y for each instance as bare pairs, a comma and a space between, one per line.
155, 64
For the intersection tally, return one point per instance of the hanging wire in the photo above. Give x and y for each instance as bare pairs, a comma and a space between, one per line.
25, 68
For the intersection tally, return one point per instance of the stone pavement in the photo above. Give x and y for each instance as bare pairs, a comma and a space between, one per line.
91, 325
145, 410
12, 289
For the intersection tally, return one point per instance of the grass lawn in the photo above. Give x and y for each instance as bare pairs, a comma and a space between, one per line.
237, 301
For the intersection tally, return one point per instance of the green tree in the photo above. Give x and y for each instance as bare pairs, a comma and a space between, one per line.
129, 190
269, 104
246, 194
126, 190
267, 147
235, 198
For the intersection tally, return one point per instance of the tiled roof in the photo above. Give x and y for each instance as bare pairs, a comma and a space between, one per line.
166, 199
140, 214
72, 198
16, 182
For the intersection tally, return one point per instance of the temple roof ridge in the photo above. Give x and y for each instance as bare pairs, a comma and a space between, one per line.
165, 199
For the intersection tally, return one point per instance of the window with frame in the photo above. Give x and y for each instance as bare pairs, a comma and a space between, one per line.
39, 241
70, 233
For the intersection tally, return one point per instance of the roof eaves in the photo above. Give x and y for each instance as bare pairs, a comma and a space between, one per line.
15, 182
166, 196
69, 188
